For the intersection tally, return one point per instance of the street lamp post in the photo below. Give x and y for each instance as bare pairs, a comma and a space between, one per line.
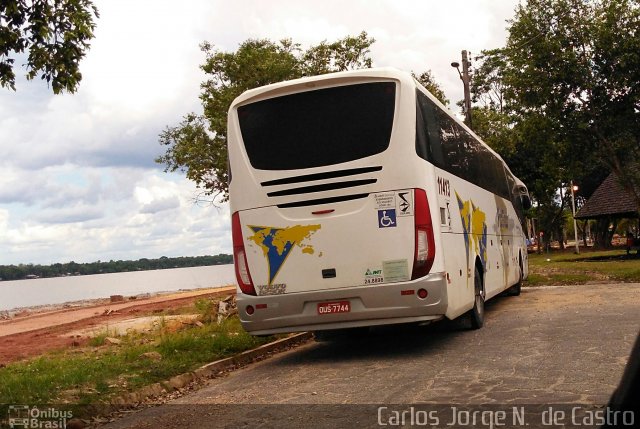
573, 209
466, 79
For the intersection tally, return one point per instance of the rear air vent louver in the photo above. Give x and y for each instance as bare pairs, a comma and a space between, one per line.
321, 176
319, 201
321, 188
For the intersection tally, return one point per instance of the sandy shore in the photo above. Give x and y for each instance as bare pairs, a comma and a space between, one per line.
45, 308
35, 330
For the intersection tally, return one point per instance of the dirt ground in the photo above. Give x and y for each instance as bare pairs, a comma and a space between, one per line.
30, 334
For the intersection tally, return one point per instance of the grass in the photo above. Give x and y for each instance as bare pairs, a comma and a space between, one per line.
95, 374
561, 268
98, 340
206, 308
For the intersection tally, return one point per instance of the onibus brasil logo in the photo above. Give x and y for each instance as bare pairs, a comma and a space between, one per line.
24, 416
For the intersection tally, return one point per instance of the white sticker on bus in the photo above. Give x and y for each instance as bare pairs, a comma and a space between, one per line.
405, 203
385, 200
396, 270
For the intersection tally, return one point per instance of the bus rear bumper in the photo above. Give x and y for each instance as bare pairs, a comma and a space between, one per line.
368, 306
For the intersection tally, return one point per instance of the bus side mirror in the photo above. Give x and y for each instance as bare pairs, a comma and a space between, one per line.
526, 201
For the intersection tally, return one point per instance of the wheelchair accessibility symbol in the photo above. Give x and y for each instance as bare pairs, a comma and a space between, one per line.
387, 218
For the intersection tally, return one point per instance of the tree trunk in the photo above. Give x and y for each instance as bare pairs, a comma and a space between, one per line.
539, 238
613, 231
602, 240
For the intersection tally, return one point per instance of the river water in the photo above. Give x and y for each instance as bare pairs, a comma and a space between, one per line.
57, 290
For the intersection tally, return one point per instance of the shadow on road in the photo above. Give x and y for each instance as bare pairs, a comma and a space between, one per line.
389, 341
372, 346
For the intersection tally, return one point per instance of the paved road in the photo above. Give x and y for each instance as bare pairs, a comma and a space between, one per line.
562, 345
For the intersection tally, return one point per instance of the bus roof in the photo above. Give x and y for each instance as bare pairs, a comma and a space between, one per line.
274, 89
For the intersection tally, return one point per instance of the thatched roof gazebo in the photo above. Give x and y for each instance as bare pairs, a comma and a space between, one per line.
609, 200
609, 203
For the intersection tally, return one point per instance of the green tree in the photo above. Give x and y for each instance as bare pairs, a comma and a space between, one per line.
54, 33
526, 142
487, 83
491, 119
197, 146
566, 85
577, 62
427, 80
349, 53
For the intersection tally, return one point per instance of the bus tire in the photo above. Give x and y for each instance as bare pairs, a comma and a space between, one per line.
475, 316
517, 288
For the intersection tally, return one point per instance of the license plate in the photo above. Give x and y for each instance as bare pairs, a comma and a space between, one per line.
334, 307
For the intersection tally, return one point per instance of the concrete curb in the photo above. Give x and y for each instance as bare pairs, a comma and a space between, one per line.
211, 369
249, 356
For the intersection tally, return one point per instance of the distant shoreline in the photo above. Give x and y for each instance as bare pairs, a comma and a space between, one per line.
72, 269
60, 290
82, 303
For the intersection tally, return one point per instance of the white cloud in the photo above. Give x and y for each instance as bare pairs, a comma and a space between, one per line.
144, 57
141, 214
160, 205
74, 214
79, 181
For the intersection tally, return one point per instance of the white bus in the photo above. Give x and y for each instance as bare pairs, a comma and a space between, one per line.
358, 199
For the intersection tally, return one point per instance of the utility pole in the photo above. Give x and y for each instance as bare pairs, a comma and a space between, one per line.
467, 93
466, 79
574, 188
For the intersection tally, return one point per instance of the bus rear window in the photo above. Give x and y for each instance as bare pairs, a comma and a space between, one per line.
317, 128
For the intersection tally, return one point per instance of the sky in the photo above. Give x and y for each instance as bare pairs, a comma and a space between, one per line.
78, 179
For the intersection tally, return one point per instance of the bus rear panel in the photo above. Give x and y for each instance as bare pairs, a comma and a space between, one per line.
333, 212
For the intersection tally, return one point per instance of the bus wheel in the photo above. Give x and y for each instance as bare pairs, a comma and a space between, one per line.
475, 316
516, 288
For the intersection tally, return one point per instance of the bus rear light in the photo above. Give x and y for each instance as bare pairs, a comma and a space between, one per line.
407, 292
422, 247
422, 293
243, 276
261, 306
249, 309
243, 270
425, 251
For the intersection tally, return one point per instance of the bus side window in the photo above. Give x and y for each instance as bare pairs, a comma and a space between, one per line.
477, 159
428, 131
440, 140
496, 178
501, 184
422, 141
455, 149
515, 197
